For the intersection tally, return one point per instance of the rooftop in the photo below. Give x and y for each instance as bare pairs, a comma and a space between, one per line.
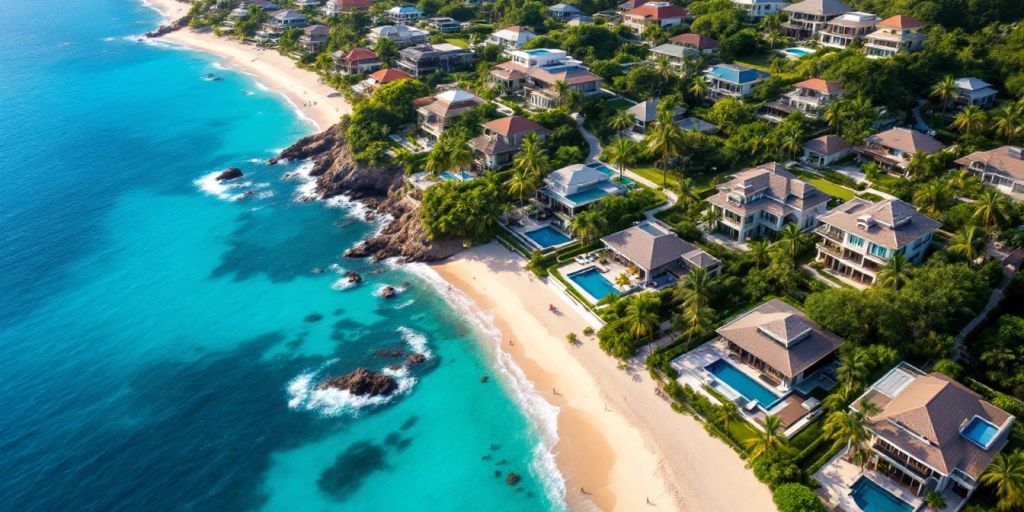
819, 7
827, 145
695, 40
891, 223
1005, 160
906, 140
650, 245
647, 111
514, 125
781, 191
386, 76
901, 22
735, 74
658, 11
819, 85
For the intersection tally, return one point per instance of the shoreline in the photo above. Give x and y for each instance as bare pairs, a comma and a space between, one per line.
615, 439
316, 102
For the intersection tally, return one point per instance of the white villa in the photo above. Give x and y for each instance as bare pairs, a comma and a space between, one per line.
760, 8
859, 237
894, 35
405, 14
759, 201
974, 91
402, 35
678, 55
536, 72
511, 38
654, 14
809, 97
575, 188
1002, 167
841, 31
808, 17
732, 80
564, 12
645, 114
825, 150
435, 113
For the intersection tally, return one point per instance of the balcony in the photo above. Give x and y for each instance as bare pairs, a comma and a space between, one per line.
830, 233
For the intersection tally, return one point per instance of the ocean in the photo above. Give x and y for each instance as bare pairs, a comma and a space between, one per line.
163, 336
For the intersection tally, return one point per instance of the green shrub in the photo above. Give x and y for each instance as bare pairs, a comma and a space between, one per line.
794, 497
777, 469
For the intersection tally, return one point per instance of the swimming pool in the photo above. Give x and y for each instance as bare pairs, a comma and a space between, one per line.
980, 432
871, 497
742, 383
594, 283
611, 173
462, 176
547, 236
796, 52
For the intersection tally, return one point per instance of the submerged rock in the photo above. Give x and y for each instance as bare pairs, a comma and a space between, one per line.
415, 359
484, 379
388, 292
231, 173
353, 277
390, 352
512, 478
363, 382
314, 317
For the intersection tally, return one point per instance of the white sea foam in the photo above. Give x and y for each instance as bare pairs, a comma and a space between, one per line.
304, 393
406, 304
543, 414
417, 341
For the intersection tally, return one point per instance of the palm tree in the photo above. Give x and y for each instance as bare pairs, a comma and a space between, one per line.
833, 114
767, 441
1007, 121
688, 194
991, 209
532, 159
935, 501
726, 413
962, 182
622, 152
970, 120
853, 368
562, 90
586, 226
663, 67
710, 219
642, 315
1006, 472
699, 87
968, 242
521, 184
944, 90
792, 240
666, 140
460, 155
792, 141
695, 288
848, 429
760, 252
896, 272
932, 198
621, 121
437, 160
919, 164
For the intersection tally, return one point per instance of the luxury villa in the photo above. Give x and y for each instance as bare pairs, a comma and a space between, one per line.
859, 237
759, 201
425, 59
679, 56
732, 80
654, 14
405, 14
808, 17
929, 434
893, 149
575, 188
511, 38
435, 113
378, 78
314, 38
894, 35
536, 72
501, 140
843, 30
357, 61
809, 97
645, 114
974, 91
402, 35
703, 44
656, 255
825, 150
1002, 168
564, 12
760, 8
278, 23
336, 7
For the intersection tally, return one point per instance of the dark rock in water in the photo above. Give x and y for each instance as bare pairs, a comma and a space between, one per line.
353, 277
388, 292
497, 473
363, 382
415, 359
390, 352
484, 378
231, 173
512, 478
163, 30
314, 317
394, 367
318, 270
248, 193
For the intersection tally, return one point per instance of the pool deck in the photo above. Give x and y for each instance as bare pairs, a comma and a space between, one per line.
838, 476
527, 225
609, 268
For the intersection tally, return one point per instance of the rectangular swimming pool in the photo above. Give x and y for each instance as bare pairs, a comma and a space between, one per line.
611, 173
871, 497
742, 383
547, 236
594, 283
980, 432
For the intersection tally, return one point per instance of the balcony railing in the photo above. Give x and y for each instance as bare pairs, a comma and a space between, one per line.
831, 234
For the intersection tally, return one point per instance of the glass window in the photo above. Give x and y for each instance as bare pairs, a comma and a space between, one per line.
878, 250
855, 240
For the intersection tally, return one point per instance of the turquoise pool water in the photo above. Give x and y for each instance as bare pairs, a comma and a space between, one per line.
594, 283
742, 383
587, 196
980, 432
802, 52
462, 176
547, 236
870, 497
611, 173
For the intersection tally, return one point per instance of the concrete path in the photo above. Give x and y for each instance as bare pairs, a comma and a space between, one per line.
959, 352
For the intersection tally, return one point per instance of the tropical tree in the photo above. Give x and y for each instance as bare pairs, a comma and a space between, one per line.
843, 428
437, 160
991, 209
587, 226
642, 315
767, 441
687, 193
663, 67
932, 198
460, 155
699, 87
920, 164
698, 320
521, 184
970, 120
759, 252
710, 219
962, 182
944, 90
562, 91
1007, 121
621, 121
969, 242
896, 272
792, 240
725, 414
1006, 473
833, 114
531, 158
666, 140
695, 289
621, 153
935, 501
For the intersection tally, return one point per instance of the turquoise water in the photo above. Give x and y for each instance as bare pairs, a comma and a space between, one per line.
980, 432
742, 383
547, 236
872, 498
594, 283
162, 337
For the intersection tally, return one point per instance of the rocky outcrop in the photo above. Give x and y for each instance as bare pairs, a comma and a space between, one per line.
512, 478
415, 359
163, 30
380, 188
388, 292
363, 382
353, 278
231, 173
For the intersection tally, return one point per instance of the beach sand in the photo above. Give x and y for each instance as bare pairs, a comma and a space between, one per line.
617, 440
317, 101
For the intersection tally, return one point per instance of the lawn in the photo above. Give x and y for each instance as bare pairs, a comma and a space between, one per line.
760, 61
651, 172
620, 104
458, 41
828, 187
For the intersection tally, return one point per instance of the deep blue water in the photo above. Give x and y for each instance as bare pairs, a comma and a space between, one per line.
161, 344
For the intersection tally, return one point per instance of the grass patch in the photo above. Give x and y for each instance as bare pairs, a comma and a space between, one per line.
762, 61
828, 187
620, 104
458, 41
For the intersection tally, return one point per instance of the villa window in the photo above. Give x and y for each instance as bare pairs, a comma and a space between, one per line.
855, 241
878, 250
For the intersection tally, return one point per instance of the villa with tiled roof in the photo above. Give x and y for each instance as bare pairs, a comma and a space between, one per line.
537, 71
894, 35
654, 14
501, 139
893, 149
435, 113
703, 44
1002, 167
825, 150
844, 30
808, 17
809, 97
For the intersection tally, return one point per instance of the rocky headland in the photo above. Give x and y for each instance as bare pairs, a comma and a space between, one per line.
163, 30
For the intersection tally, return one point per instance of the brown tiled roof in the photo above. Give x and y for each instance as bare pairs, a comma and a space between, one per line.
935, 408
827, 145
766, 330
358, 54
998, 161
490, 145
449, 103
386, 76
696, 41
906, 140
514, 125
508, 71
896, 225
780, 184
901, 22
819, 85
658, 12
353, 4
649, 245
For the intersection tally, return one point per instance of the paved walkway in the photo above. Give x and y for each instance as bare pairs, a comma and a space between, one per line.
959, 352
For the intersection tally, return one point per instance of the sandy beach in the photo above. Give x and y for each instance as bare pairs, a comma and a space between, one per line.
619, 442
318, 102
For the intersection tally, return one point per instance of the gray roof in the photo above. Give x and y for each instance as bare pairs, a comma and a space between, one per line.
697, 125
647, 111
564, 8
674, 50
649, 245
971, 83
576, 174
892, 223
827, 145
782, 336
823, 7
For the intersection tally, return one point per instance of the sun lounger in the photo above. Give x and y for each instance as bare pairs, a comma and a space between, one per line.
751, 406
